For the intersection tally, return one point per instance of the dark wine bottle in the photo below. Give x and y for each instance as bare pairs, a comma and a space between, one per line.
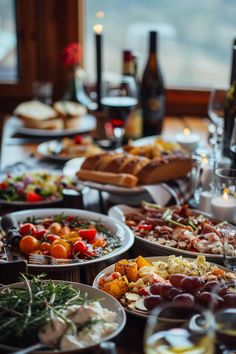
152, 91
133, 126
230, 105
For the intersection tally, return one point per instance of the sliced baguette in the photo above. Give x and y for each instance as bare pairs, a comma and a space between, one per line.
118, 179
164, 169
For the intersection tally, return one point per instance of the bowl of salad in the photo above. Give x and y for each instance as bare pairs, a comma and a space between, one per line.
59, 316
33, 187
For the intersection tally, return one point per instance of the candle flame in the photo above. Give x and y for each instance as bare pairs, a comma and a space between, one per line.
226, 194
98, 28
100, 14
187, 131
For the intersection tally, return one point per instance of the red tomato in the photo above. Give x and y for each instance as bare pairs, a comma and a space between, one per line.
28, 229
40, 234
88, 234
80, 247
33, 197
70, 218
29, 244
59, 251
52, 237
78, 139
145, 227
3, 185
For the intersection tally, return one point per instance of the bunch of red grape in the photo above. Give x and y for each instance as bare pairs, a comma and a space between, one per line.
187, 290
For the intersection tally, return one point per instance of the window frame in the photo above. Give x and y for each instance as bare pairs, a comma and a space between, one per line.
44, 27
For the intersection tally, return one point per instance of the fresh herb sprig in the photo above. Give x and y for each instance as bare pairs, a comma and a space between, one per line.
24, 311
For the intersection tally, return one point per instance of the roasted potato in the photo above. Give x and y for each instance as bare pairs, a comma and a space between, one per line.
142, 262
116, 287
128, 268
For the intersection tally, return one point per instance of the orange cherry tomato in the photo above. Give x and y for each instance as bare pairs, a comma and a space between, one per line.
59, 251
45, 246
100, 242
29, 244
63, 243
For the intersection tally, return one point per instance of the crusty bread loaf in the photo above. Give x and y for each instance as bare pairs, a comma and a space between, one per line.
69, 109
104, 167
35, 111
162, 169
51, 124
120, 179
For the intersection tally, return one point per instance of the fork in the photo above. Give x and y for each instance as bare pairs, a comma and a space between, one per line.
35, 258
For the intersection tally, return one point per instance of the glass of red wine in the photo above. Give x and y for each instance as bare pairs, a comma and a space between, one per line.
120, 97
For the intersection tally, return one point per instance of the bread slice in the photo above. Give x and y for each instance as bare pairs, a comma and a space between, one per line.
69, 109
162, 169
120, 179
35, 110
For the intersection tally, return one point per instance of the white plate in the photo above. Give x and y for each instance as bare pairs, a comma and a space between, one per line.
25, 203
118, 213
73, 165
87, 123
122, 232
43, 150
107, 302
111, 269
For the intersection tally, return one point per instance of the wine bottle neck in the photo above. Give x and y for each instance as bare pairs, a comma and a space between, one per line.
153, 43
233, 70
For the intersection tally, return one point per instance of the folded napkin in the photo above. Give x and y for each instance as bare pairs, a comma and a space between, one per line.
180, 190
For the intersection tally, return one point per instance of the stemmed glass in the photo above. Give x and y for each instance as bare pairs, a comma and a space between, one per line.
120, 97
233, 144
216, 113
179, 328
225, 316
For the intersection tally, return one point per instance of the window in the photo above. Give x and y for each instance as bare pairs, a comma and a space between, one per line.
8, 41
195, 37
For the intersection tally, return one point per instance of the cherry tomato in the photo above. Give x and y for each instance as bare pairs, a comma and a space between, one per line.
100, 242
59, 251
80, 247
88, 234
145, 227
143, 291
52, 237
63, 243
33, 197
78, 139
28, 229
40, 234
45, 246
3, 185
29, 244
70, 218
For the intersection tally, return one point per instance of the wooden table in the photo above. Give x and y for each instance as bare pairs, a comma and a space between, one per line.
130, 340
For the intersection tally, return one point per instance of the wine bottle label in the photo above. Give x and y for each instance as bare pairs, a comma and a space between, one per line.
154, 109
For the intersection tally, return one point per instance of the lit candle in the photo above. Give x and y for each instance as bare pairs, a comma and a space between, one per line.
223, 207
205, 201
98, 38
207, 173
188, 140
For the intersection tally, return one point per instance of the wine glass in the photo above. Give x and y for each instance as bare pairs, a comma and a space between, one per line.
225, 317
119, 99
233, 144
216, 113
179, 328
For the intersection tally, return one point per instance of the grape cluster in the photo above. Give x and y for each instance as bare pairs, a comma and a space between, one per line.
187, 290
